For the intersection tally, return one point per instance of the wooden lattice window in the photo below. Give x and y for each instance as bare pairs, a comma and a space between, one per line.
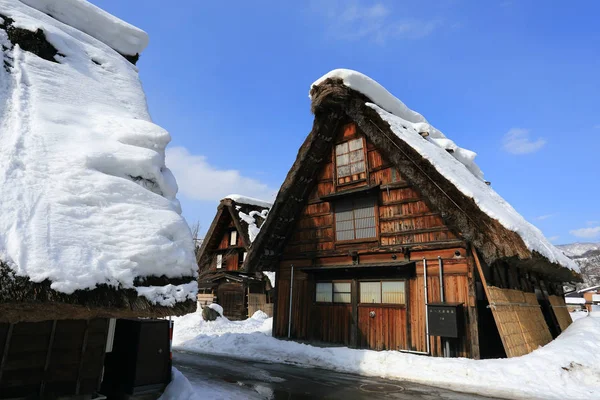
383, 292
219, 260
355, 219
350, 161
333, 292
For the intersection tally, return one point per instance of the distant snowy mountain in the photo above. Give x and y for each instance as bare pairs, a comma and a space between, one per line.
576, 250
587, 256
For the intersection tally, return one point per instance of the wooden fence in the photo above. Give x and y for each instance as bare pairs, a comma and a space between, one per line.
258, 301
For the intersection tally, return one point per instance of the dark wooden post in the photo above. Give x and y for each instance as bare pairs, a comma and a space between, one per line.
354, 334
472, 309
82, 356
48, 357
6, 347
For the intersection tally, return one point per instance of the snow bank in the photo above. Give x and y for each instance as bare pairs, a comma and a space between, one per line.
192, 326
458, 166
238, 198
180, 388
568, 367
86, 198
217, 308
110, 30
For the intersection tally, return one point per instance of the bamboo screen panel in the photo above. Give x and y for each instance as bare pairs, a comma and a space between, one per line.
519, 319
560, 310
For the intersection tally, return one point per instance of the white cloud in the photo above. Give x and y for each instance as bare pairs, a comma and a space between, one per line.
198, 180
518, 141
587, 233
355, 20
597, 126
553, 239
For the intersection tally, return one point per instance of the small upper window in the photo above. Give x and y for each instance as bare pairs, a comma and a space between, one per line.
219, 260
350, 161
233, 238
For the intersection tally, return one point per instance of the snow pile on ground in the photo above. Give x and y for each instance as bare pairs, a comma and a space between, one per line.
118, 34
568, 367
192, 326
458, 167
575, 315
86, 196
238, 198
180, 388
217, 308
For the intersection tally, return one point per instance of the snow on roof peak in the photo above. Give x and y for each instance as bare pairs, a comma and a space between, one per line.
241, 199
85, 196
454, 163
110, 30
384, 99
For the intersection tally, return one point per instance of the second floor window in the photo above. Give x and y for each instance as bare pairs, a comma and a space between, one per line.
350, 161
233, 238
219, 260
355, 219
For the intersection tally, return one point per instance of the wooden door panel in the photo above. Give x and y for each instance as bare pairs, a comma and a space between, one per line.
386, 330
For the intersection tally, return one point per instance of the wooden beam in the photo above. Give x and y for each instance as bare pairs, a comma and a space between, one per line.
5, 352
83, 349
354, 328
48, 357
481, 275
472, 311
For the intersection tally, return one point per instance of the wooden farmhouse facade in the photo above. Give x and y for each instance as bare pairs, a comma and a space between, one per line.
222, 254
377, 247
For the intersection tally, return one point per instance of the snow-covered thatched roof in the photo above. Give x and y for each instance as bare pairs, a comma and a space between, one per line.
446, 174
457, 165
88, 209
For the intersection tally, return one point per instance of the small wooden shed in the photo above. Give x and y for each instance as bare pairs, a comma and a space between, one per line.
223, 251
384, 235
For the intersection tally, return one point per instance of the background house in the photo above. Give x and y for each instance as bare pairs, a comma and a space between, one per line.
583, 299
385, 236
223, 251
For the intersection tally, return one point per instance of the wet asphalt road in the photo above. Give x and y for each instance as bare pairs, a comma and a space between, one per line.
257, 380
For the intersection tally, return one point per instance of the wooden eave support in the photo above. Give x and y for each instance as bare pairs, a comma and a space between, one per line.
6, 347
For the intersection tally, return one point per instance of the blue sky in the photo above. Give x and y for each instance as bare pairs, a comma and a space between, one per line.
515, 81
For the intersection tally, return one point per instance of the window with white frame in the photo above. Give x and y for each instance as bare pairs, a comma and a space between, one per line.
350, 162
219, 260
383, 292
333, 292
233, 238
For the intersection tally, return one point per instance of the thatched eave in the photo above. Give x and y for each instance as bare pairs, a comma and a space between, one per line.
334, 104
